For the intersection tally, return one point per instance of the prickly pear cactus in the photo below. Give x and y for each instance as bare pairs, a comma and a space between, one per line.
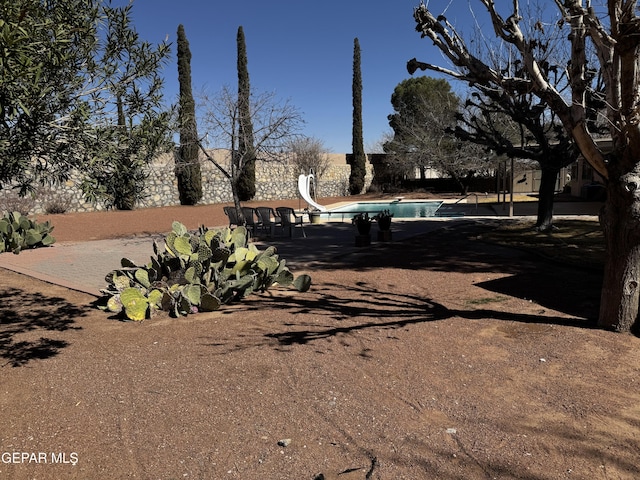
18, 233
196, 272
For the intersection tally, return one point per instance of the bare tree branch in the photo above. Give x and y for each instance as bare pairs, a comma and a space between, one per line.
476, 72
275, 124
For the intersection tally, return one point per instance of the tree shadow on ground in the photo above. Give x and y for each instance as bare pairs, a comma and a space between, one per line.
333, 309
453, 248
24, 316
457, 247
386, 310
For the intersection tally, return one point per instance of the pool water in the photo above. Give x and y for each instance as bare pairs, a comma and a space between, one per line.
417, 209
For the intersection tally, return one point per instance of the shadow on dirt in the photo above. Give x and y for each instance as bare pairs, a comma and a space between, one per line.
26, 315
336, 309
458, 247
386, 310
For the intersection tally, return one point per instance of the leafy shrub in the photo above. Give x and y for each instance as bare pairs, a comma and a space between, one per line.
17, 233
196, 272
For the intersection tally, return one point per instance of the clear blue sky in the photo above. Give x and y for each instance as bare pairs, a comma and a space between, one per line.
302, 51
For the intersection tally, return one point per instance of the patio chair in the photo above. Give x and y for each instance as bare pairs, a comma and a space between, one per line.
251, 220
290, 219
269, 219
231, 213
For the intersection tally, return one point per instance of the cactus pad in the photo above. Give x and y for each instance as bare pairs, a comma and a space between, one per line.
196, 272
18, 232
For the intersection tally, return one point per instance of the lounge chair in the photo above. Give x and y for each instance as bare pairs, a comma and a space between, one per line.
231, 213
269, 219
251, 219
290, 219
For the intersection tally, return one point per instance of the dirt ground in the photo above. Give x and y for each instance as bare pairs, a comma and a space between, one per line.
441, 357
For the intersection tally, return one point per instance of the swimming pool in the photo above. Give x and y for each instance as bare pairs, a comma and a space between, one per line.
410, 209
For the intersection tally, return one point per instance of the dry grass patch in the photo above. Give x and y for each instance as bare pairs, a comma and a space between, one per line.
574, 241
487, 300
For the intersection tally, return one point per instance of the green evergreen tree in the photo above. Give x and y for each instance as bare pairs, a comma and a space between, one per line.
187, 163
358, 157
247, 157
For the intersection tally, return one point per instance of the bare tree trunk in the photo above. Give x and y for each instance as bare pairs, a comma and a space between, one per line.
546, 195
235, 191
237, 205
620, 290
462, 187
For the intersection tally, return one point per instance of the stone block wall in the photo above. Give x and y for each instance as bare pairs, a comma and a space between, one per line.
274, 181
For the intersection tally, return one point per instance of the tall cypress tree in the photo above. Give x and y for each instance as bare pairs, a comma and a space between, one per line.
187, 163
246, 157
358, 157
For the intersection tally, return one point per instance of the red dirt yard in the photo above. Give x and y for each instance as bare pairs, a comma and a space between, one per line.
440, 357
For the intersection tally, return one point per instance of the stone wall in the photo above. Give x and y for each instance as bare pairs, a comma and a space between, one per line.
274, 181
